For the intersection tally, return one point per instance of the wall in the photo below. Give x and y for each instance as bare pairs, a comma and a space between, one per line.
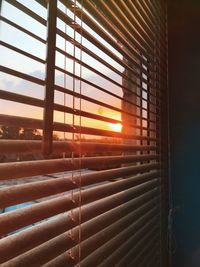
184, 85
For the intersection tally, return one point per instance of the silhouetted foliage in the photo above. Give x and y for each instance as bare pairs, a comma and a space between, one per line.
30, 134
10, 132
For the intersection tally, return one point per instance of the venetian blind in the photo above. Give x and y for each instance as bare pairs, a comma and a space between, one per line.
83, 148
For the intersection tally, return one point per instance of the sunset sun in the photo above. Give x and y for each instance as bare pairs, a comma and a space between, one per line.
117, 127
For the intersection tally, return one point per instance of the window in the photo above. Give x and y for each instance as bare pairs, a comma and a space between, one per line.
82, 137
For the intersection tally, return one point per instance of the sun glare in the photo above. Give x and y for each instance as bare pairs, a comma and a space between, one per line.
117, 127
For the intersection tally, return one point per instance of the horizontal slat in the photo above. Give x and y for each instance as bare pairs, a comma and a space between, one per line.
151, 257
43, 3
110, 53
62, 260
111, 93
22, 75
148, 251
22, 52
42, 254
27, 11
118, 258
14, 245
95, 101
61, 243
121, 215
154, 16
92, 246
21, 98
150, 238
35, 146
35, 190
135, 19
14, 220
100, 59
129, 21
105, 22
38, 124
13, 170
111, 67
100, 254
94, 131
157, 24
138, 12
29, 33
102, 89
136, 6
100, 45
96, 27
159, 13
134, 230
114, 31
100, 74
40, 103
132, 39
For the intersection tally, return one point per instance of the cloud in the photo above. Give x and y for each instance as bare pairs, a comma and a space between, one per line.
7, 83
23, 87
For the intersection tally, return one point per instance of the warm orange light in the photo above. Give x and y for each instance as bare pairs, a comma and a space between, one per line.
97, 124
116, 127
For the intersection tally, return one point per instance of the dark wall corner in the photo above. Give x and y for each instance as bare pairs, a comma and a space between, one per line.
184, 86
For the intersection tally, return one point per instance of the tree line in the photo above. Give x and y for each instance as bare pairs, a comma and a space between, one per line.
10, 132
17, 133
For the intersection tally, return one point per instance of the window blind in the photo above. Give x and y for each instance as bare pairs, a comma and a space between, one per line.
83, 143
